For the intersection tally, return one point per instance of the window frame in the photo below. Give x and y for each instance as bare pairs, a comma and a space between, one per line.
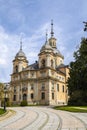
32, 96
52, 96
43, 95
58, 87
63, 88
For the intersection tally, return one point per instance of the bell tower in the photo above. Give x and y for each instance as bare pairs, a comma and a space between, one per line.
20, 62
46, 55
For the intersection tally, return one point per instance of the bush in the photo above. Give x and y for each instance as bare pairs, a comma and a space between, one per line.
2, 111
24, 103
8, 104
2, 103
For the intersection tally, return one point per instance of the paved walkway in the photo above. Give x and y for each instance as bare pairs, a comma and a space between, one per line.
43, 118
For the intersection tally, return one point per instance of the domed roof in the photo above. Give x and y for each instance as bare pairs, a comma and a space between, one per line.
56, 51
20, 54
46, 46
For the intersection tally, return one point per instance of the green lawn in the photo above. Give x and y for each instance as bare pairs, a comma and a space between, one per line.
2, 111
72, 108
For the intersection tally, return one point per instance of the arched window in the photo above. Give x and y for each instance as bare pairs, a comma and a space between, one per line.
25, 97
51, 63
32, 96
16, 68
43, 63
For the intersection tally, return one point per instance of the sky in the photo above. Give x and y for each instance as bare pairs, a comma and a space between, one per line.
29, 19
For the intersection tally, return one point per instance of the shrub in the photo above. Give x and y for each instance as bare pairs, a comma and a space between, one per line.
24, 103
8, 104
2, 103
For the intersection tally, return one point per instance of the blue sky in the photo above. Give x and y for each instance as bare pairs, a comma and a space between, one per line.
30, 19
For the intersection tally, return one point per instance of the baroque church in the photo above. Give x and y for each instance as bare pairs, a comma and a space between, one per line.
43, 82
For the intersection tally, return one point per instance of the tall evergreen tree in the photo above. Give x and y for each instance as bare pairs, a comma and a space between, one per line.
77, 82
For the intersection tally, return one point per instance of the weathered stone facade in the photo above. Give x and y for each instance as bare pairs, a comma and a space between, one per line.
43, 82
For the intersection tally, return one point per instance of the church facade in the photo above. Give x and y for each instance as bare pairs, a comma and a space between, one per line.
43, 82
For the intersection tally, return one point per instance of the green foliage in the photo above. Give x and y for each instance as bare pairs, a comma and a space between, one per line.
2, 103
24, 103
2, 111
8, 104
1, 90
77, 83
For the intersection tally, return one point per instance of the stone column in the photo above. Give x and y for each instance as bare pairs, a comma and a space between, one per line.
54, 64
48, 61
50, 93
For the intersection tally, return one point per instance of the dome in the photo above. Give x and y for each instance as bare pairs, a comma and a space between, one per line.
20, 54
58, 53
46, 46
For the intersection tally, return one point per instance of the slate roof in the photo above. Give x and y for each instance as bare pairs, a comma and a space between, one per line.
33, 66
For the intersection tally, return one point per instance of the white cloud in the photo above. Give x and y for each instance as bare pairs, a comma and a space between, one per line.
2, 61
10, 45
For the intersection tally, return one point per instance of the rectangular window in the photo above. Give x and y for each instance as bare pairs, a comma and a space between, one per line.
32, 86
52, 95
14, 98
14, 89
52, 85
19, 97
43, 95
32, 95
63, 88
57, 87
43, 86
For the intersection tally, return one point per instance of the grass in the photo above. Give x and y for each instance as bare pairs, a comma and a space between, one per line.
82, 109
2, 111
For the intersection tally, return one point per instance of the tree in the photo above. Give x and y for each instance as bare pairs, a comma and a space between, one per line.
1, 92
77, 82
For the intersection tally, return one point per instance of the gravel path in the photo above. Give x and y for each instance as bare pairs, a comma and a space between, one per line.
43, 118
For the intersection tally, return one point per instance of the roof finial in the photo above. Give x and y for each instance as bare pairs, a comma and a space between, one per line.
21, 37
52, 33
20, 45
